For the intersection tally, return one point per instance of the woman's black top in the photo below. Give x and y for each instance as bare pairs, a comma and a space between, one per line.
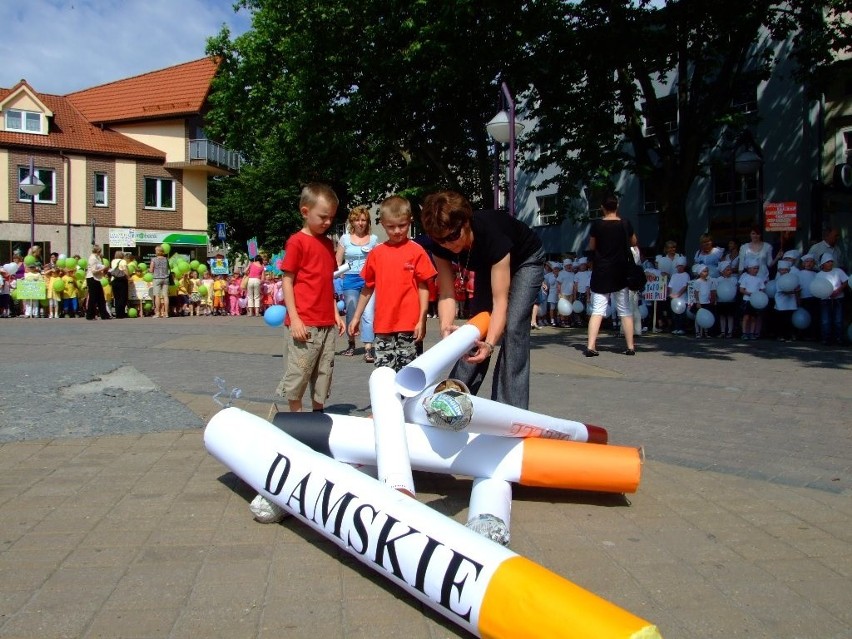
609, 272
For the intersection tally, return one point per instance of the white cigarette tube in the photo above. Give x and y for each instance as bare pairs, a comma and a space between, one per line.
483, 587
545, 463
453, 409
428, 368
392, 457
490, 509
342, 269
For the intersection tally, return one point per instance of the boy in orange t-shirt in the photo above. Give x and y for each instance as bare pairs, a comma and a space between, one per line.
398, 271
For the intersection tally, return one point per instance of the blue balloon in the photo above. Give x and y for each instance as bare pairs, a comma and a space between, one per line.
274, 315
341, 306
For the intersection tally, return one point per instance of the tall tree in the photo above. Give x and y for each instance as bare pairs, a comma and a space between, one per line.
372, 97
598, 77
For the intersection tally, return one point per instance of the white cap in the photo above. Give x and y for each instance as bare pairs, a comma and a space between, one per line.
700, 268
723, 265
752, 263
784, 264
680, 260
828, 256
567, 261
583, 260
555, 265
792, 254
808, 257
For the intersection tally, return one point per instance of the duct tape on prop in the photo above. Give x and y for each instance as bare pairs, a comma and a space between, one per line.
449, 409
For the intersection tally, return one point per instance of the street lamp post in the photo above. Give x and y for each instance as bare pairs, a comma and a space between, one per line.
749, 162
500, 130
32, 186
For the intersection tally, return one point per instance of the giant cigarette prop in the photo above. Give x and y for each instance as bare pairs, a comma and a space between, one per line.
545, 463
426, 369
454, 409
343, 268
483, 587
389, 432
490, 509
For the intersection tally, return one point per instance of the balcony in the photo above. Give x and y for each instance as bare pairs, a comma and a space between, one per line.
210, 157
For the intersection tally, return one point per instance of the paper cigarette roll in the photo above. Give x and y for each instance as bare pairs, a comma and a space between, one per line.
546, 463
490, 509
483, 587
342, 269
456, 410
389, 432
426, 369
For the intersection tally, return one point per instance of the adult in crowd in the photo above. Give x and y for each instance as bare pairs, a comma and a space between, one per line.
708, 254
610, 237
732, 255
159, 270
120, 284
758, 250
95, 271
827, 245
352, 249
35, 251
254, 273
508, 260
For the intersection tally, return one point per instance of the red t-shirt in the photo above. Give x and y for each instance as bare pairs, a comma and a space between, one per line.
394, 271
310, 259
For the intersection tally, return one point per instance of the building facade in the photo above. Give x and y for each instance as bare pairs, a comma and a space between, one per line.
124, 165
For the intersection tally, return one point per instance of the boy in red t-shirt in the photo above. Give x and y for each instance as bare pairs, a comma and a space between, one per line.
398, 271
312, 316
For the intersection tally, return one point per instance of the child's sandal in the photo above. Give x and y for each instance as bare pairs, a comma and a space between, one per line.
368, 356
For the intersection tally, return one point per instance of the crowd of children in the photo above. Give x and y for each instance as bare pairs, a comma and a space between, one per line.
753, 304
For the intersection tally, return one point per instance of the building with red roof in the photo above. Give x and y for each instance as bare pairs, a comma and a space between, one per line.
124, 164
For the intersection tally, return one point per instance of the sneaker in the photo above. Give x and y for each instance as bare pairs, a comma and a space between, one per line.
590, 352
630, 352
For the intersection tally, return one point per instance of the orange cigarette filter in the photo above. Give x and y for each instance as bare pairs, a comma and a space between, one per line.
580, 466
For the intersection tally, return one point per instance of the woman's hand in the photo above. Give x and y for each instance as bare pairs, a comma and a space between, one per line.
483, 352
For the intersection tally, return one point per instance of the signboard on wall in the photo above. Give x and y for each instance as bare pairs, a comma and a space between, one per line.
779, 216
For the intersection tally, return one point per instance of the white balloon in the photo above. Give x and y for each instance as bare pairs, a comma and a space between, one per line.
759, 300
578, 306
678, 305
771, 288
821, 288
664, 263
704, 318
11, 268
788, 283
564, 306
801, 319
726, 291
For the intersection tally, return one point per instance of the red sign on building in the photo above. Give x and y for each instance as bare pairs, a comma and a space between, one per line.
779, 216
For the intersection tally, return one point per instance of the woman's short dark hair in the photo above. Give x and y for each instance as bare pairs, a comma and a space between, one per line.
610, 203
444, 212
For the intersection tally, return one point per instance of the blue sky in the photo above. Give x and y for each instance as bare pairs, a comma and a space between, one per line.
61, 46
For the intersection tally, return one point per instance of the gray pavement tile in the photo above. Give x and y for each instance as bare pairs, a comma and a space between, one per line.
51, 622
132, 623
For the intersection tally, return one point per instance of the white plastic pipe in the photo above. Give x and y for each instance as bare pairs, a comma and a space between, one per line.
428, 368
392, 460
490, 509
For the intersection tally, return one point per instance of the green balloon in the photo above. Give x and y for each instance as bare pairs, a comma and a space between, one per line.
194, 264
143, 267
202, 290
81, 263
148, 306
29, 260
132, 312
148, 277
202, 269
58, 285
166, 248
105, 261
80, 274
131, 268
104, 281
183, 267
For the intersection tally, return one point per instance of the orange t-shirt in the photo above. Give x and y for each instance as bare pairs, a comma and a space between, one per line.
394, 271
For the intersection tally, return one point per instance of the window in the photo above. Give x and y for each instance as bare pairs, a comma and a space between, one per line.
24, 121
159, 193
730, 187
101, 189
846, 137
665, 115
47, 176
649, 198
594, 200
744, 94
548, 210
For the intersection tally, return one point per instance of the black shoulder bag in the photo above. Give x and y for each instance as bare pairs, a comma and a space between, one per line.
636, 279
